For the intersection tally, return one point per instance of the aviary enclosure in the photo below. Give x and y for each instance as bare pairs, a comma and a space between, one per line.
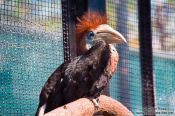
36, 36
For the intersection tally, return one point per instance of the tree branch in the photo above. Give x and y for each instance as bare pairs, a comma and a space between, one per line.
85, 107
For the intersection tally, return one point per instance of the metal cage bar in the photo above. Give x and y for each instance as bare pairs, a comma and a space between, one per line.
97, 5
70, 10
145, 38
68, 21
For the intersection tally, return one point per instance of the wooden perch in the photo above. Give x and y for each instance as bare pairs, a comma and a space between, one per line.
85, 107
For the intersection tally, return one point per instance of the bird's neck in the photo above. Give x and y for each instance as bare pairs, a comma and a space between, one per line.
82, 49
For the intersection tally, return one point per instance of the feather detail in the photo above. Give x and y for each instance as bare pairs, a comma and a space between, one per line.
87, 22
41, 110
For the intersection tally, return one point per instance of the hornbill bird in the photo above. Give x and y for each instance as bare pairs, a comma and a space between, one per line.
88, 74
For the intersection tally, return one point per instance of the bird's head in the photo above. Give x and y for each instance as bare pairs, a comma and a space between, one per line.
92, 27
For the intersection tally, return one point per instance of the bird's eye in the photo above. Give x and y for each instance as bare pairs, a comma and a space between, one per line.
113, 49
89, 39
91, 35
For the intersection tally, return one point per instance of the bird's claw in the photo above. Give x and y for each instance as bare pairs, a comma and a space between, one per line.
96, 103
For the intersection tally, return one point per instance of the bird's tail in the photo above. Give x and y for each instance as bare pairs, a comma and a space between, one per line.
41, 110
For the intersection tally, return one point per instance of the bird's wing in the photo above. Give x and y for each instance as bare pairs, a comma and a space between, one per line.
50, 83
71, 67
56, 77
74, 69
48, 88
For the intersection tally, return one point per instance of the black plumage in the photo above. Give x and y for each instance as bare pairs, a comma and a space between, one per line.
83, 76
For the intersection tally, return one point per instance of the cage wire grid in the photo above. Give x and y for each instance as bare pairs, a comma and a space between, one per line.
126, 83
124, 14
30, 49
163, 43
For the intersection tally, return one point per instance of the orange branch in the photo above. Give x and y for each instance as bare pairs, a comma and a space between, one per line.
85, 107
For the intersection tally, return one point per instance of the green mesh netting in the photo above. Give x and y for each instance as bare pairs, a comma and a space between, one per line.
31, 48
126, 84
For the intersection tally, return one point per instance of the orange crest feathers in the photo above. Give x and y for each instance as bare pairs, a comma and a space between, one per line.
89, 21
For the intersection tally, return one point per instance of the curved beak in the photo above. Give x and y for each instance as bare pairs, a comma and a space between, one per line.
108, 34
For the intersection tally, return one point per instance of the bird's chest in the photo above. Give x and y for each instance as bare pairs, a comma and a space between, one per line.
113, 60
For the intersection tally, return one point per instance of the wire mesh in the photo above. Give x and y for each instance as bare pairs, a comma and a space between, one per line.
126, 84
31, 47
163, 26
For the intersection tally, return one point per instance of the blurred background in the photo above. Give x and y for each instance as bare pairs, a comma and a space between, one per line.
31, 48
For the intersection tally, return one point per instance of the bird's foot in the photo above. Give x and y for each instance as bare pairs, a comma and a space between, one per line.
95, 101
